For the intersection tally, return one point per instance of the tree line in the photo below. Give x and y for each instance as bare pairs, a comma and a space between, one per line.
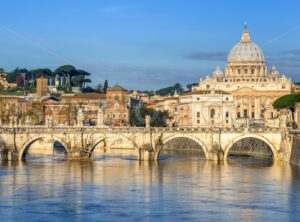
67, 75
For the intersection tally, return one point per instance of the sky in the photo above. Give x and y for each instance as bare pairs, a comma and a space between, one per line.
146, 44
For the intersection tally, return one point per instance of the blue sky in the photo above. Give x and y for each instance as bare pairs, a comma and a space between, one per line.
145, 44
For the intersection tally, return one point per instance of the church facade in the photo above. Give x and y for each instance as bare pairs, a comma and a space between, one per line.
247, 78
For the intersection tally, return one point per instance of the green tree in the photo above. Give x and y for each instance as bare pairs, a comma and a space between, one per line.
158, 118
67, 71
81, 79
105, 86
98, 88
190, 86
287, 102
12, 76
170, 90
33, 74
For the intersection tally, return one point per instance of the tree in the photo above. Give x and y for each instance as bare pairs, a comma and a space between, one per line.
158, 118
88, 89
105, 87
99, 88
80, 79
12, 76
287, 102
190, 86
67, 71
170, 90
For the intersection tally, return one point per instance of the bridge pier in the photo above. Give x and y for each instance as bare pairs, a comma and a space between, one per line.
147, 155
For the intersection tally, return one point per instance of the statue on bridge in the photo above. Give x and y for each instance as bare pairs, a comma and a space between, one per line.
27, 121
148, 121
48, 120
100, 117
80, 117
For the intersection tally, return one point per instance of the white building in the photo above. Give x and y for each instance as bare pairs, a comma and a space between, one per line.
206, 109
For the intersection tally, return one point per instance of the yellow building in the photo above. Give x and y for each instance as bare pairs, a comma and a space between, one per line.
42, 86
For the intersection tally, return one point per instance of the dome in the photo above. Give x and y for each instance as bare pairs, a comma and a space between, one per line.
218, 71
246, 50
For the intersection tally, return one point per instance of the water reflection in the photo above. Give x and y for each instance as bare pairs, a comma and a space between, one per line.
178, 187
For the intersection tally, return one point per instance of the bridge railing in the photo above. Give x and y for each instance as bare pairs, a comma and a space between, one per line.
67, 129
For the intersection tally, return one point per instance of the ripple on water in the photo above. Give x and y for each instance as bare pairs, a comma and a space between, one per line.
174, 188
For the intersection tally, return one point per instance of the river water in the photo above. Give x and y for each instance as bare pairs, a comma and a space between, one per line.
176, 188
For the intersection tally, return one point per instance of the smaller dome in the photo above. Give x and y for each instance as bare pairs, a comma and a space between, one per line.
218, 71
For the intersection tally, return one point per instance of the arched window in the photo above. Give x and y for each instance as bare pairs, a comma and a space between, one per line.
212, 113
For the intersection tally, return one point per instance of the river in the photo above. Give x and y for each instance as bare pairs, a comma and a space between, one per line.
176, 188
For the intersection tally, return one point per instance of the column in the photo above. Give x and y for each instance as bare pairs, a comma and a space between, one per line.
257, 108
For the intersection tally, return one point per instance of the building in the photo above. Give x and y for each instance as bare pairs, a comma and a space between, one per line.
12, 106
4, 83
117, 106
169, 104
247, 78
206, 108
139, 96
63, 110
41, 86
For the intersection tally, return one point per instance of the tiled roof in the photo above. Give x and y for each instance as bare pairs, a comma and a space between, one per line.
117, 87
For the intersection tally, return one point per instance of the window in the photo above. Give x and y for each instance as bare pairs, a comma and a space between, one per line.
198, 98
198, 114
227, 114
245, 113
238, 115
283, 87
198, 121
212, 113
207, 86
262, 113
239, 71
252, 71
227, 121
253, 115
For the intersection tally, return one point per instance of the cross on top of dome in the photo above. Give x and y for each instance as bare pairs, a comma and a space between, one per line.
246, 35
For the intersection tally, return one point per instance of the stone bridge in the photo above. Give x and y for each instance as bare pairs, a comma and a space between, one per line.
144, 143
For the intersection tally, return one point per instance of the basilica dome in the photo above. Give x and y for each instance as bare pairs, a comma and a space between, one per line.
246, 50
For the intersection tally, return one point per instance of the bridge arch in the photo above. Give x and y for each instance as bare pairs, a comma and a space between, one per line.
30, 141
105, 138
250, 136
195, 139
